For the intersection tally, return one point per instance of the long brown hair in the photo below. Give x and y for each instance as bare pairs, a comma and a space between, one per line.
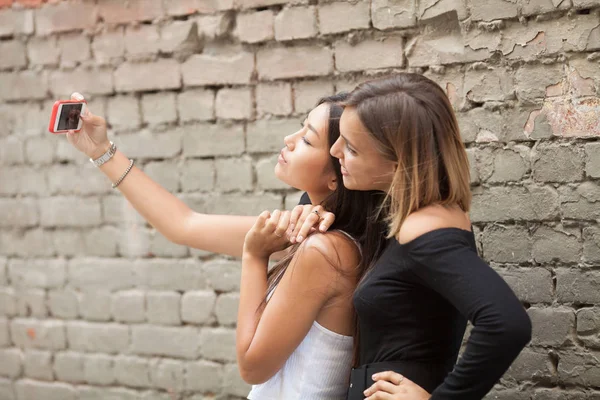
413, 124
356, 213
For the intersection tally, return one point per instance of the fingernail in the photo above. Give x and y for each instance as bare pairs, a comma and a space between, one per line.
322, 228
374, 376
292, 240
292, 226
366, 392
300, 239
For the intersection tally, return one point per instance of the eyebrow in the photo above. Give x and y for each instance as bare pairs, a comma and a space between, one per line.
347, 141
312, 128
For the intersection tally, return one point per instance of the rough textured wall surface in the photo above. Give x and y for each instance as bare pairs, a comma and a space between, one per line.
94, 304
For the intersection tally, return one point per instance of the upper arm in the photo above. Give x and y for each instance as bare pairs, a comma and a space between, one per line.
306, 286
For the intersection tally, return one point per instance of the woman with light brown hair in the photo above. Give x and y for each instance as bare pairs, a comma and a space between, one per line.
399, 135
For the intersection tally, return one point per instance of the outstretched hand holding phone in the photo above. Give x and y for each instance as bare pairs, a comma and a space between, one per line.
92, 139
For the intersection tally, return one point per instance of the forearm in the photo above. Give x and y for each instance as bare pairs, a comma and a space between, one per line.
161, 209
253, 288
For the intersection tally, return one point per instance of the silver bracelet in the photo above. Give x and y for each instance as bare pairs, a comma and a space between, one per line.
117, 183
106, 156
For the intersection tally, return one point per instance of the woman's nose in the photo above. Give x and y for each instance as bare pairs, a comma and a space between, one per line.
335, 149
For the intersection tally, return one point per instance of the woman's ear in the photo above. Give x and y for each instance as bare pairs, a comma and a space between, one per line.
332, 185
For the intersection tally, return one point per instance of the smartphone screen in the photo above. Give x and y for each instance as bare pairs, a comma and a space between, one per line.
69, 117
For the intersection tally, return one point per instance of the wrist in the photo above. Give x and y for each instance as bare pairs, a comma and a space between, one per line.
99, 150
254, 256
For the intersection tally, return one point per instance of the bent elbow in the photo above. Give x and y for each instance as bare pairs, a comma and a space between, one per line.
252, 376
518, 330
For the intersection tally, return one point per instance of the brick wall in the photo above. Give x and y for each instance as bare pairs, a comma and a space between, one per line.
96, 305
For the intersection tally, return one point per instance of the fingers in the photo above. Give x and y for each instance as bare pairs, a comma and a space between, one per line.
296, 213
380, 396
310, 222
272, 222
382, 386
389, 376
327, 219
305, 212
262, 219
76, 96
283, 225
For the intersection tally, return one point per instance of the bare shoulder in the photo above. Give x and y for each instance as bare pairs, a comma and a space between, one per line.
334, 248
431, 218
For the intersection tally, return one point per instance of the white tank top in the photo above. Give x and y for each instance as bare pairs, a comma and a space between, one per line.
319, 368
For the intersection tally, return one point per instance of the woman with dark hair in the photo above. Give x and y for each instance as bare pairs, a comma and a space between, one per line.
295, 322
399, 136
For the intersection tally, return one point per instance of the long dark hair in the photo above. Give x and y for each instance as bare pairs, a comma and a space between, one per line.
356, 213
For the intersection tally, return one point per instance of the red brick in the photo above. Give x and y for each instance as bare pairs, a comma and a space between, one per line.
63, 17
160, 75
31, 3
119, 11
5, 3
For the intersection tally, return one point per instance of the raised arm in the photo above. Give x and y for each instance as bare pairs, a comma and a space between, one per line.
165, 212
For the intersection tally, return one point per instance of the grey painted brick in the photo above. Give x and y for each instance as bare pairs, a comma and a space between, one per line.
290, 62
274, 99
25, 85
101, 242
4, 332
212, 140
129, 306
235, 384
582, 205
18, 213
211, 373
387, 14
223, 275
162, 308
37, 273
197, 306
95, 305
198, 175
6, 389
579, 368
41, 334
97, 337
265, 174
169, 375
159, 108
180, 342
70, 212
3, 271
533, 285
16, 21
8, 302
141, 42
234, 174
123, 113
13, 54
74, 49
591, 244
98, 81
165, 173
577, 286
159, 75
552, 326
36, 150
243, 204
32, 390
234, 103
255, 27
369, 54
161, 247
556, 244
132, 371
205, 69
558, 164
488, 85
98, 369
95, 393
531, 365
22, 180
592, 165
196, 105
68, 242
296, 23
218, 344
12, 150
30, 243
63, 304
164, 274
307, 93
266, 136
69, 367
38, 365
343, 16
101, 274
108, 46
588, 326
12, 362
32, 303
507, 244
226, 308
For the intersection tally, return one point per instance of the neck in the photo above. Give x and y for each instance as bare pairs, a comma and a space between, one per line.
317, 198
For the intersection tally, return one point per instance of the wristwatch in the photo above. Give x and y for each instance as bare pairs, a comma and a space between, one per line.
106, 156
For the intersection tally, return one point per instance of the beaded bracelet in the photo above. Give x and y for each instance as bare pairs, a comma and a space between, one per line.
117, 183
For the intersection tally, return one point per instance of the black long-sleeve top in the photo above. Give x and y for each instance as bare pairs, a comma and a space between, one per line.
413, 307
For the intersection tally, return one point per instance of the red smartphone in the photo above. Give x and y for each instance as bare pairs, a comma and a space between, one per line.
65, 116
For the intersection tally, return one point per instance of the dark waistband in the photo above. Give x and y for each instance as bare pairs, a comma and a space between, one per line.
428, 376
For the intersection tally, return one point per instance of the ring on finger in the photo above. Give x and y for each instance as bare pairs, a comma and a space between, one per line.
278, 234
316, 212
